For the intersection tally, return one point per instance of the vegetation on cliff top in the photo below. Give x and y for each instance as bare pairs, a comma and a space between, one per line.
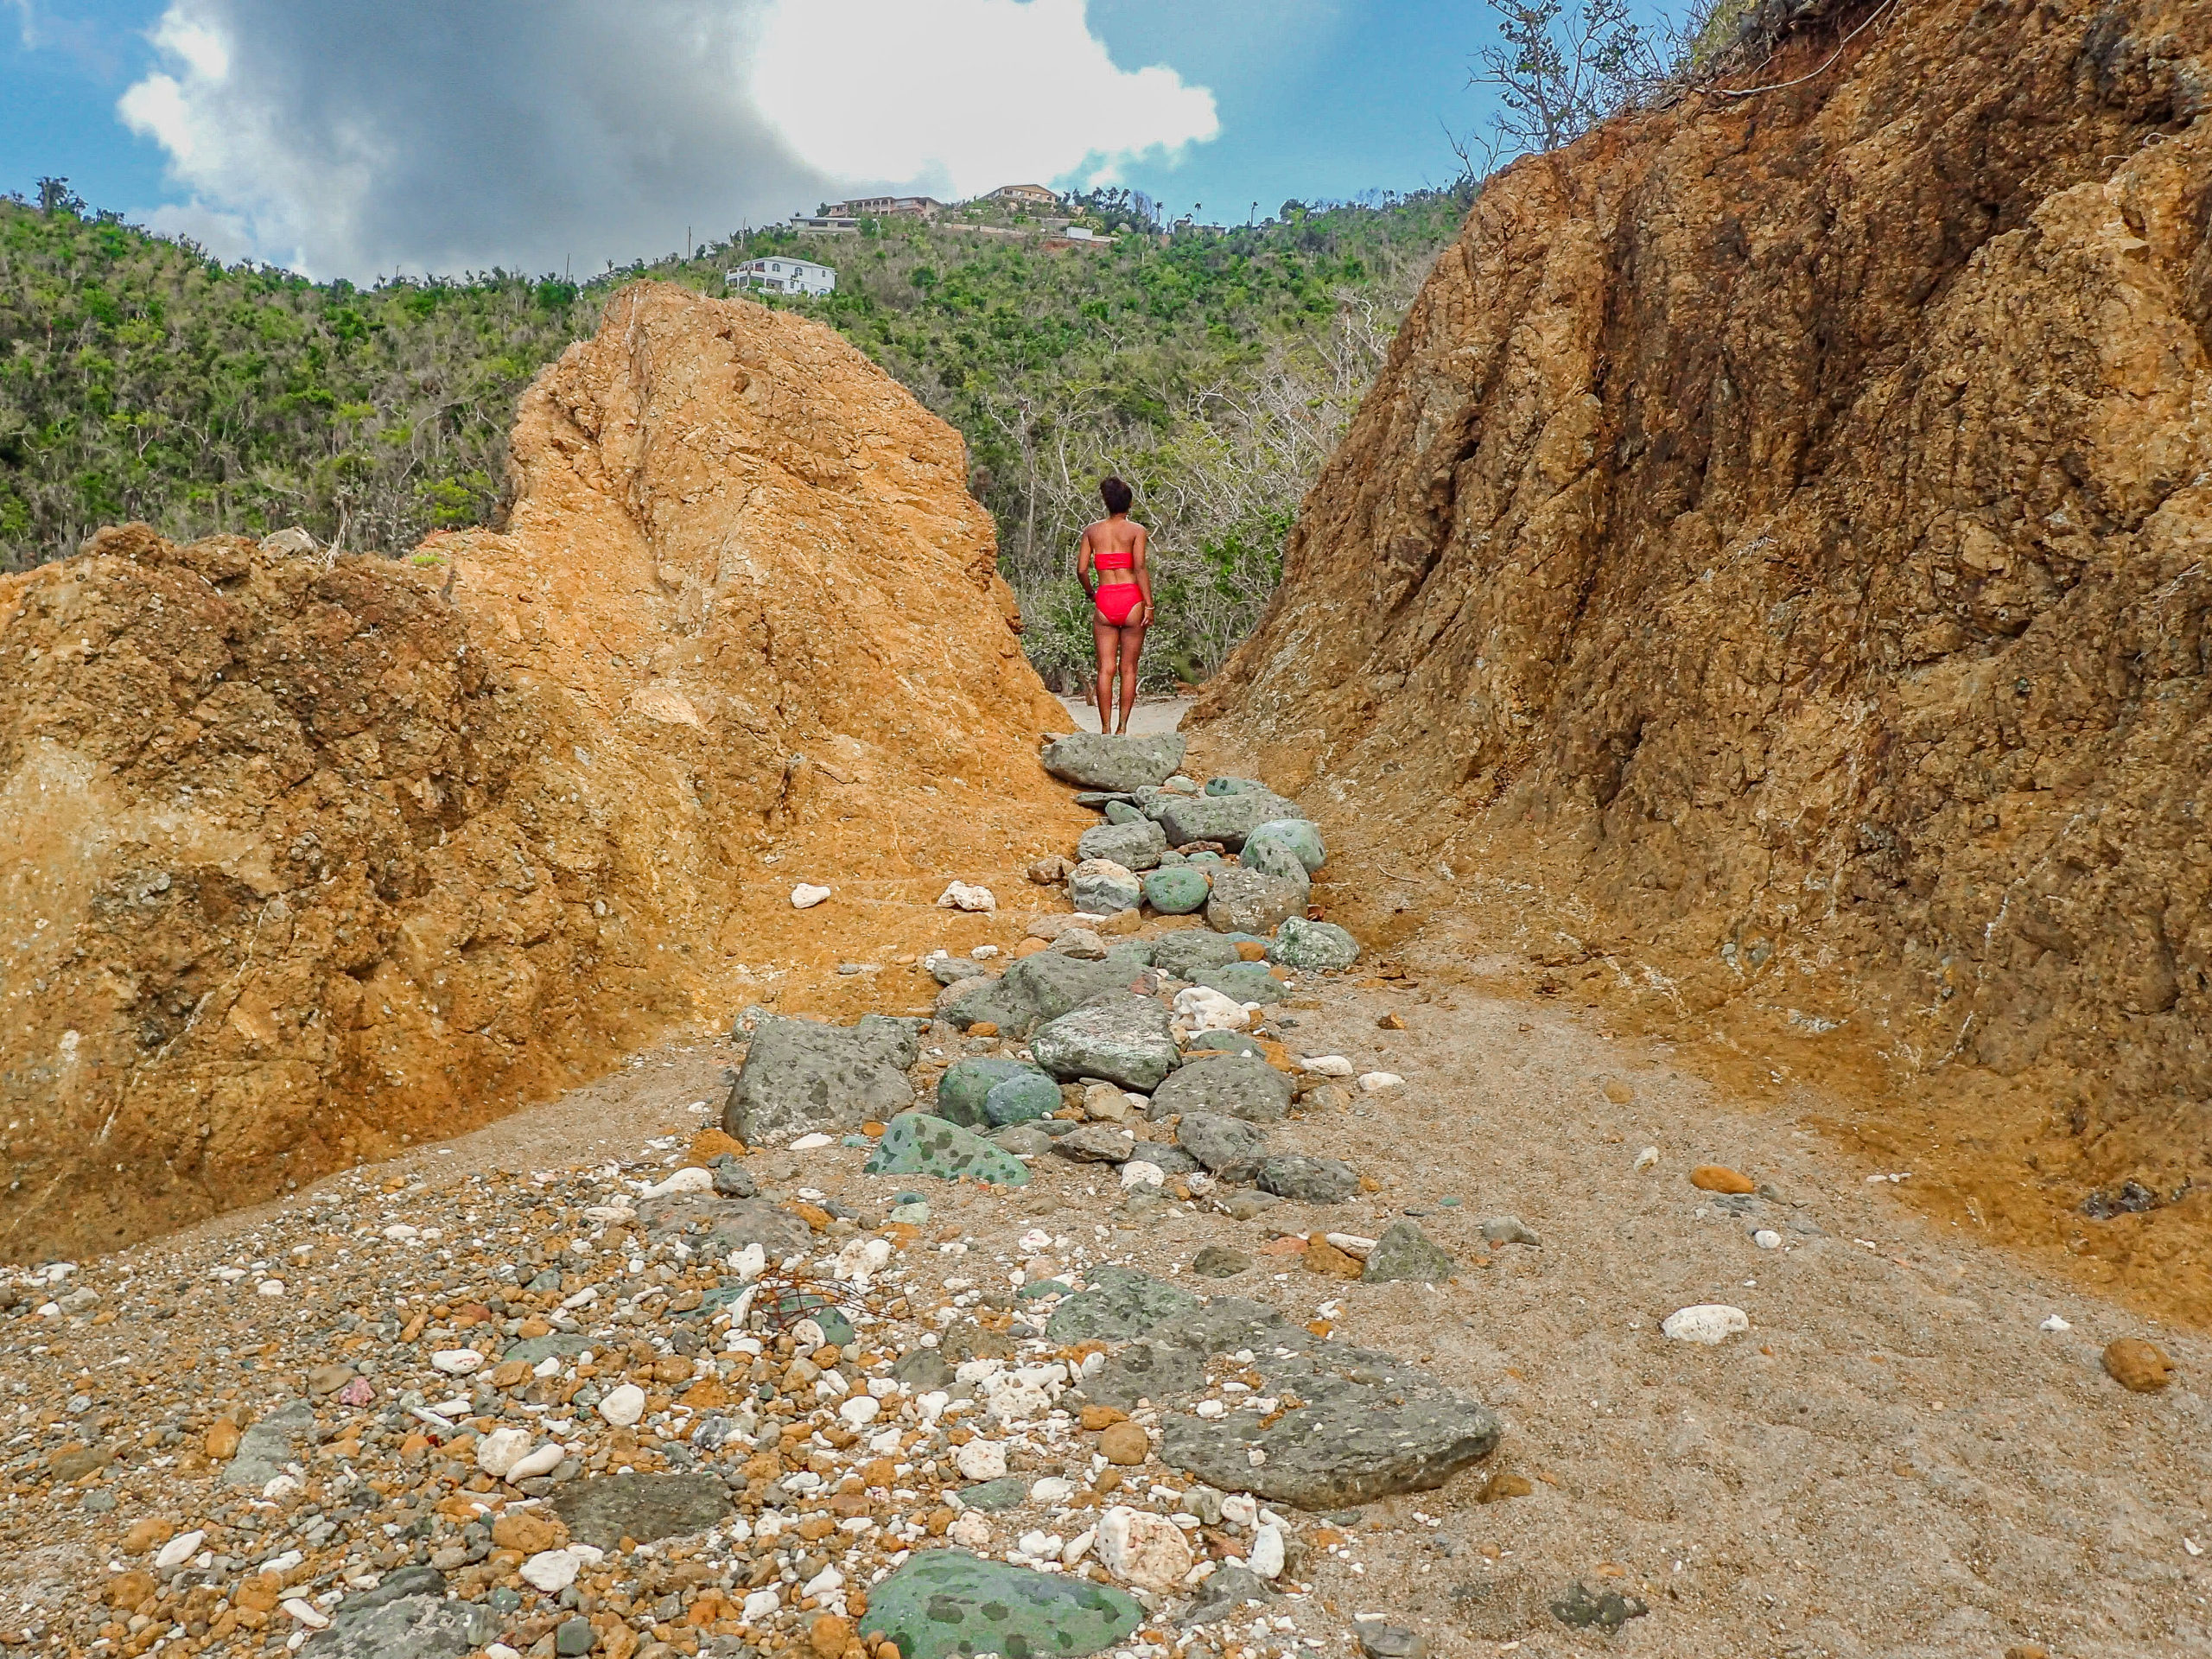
1216, 368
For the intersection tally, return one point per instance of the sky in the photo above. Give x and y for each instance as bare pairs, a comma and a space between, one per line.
359, 138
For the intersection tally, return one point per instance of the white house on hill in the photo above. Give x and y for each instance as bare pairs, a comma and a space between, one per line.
783, 275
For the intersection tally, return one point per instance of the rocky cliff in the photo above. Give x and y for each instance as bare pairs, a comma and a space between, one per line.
301, 854
1781, 540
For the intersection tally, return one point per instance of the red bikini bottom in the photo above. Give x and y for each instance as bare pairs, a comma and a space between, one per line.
1118, 603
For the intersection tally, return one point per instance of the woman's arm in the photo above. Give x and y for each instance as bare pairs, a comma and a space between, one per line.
1083, 569
1144, 572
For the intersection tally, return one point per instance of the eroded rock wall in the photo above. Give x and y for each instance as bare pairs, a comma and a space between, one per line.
1780, 534
299, 856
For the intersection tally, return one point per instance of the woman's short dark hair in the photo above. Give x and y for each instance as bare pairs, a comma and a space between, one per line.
1116, 495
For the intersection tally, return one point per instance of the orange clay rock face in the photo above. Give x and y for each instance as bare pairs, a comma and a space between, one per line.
1778, 539
298, 856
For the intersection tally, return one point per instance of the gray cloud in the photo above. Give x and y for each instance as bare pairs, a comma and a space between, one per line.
349, 137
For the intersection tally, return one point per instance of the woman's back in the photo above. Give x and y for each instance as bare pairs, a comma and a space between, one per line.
1114, 542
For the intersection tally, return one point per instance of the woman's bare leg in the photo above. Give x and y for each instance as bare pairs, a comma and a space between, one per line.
1131, 643
1105, 636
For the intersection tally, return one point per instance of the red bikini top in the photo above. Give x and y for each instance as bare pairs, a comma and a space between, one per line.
1112, 561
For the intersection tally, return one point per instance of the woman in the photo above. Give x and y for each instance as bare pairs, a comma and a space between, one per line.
1120, 598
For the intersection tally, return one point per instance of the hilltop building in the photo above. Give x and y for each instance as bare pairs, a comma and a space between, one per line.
1024, 195
783, 275
885, 207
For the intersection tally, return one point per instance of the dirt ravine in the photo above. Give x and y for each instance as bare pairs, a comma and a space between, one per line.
1764, 588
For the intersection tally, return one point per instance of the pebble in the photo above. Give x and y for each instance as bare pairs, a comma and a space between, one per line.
1767, 1239
1125, 1444
1327, 1066
1710, 1323
2138, 1366
1647, 1159
1375, 1082
623, 1405
1139, 1548
1719, 1177
806, 896
959, 895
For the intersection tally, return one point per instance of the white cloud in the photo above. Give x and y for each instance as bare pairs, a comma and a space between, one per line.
350, 137
962, 94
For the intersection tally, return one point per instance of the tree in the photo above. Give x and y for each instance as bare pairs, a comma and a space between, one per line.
55, 196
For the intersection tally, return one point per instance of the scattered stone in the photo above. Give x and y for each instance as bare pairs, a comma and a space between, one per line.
1376, 1082
1509, 1229
806, 896
1243, 982
1097, 1143
1228, 1147
1300, 837
968, 1082
1181, 890
917, 1143
799, 1076
1313, 947
1326, 1260
1208, 1043
2131, 1198
2138, 1366
1390, 1022
1050, 870
1121, 765
1029, 1095
1231, 1086
1104, 887
1248, 901
1719, 1177
1035, 989
994, 1496
1247, 1206
1202, 1009
1404, 1252
1226, 786
1310, 1181
1581, 1609
1081, 944
1272, 858
1121, 1038
1132, 846
943, 1603
1141, 1548
959, 895
604, 1510
1230, 1587
273, 1442
1226, 819
1710, 1323
1182, 954
407, 1613
1103, 1104
1119, 1304
624, 1404
1378, 1640
1220, 1261
923, 1370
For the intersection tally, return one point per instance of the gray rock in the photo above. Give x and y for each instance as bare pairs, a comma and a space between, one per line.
1235, 787
1117, 810
953, 970
799, 1076
993, 1496
1097, 1143
1249, 901
923, 1370
1580, 1608
723, 1225
733, 1180
1102, 799
1220, 1261
405, 1616
1378, 1640
1314, 946
1185, 952
1097, 760
1178, 891
1225, 1042
1246, 981
269, 1445
943, 1603
1023, 1141
602, 1509
1019, 1099
1247, 1206
1275, 858
539, 1350
1310, 1181
1118, 1304
1133, 846
1222, 1144
1509, 1229
954, 994
1168, 1160
1158, 1372
1225, 818
1404, 1252
1101, 887
1233, 1085
1121, 1038
1366, 1425
918, 1143
966, 1083
1037, 988
1297, 835
1228, 1589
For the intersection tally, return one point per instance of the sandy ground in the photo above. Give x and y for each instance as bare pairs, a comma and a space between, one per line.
1896, 1460
1151, 714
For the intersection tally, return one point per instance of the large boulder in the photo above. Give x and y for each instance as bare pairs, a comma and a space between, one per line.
799, 1076
920, 1143
1225, 818
1040, 987
1248, 901
1184, 953
1246, 981
1232, 1086
1133, 846
1095, 761
1116, 1304
968, 1082
1121, 1038
1278, 859
1299, 836
603, 1510
1313, 946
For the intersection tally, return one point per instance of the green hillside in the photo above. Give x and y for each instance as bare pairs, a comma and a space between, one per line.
1215, 369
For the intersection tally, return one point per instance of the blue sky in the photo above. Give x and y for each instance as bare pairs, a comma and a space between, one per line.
354, 136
